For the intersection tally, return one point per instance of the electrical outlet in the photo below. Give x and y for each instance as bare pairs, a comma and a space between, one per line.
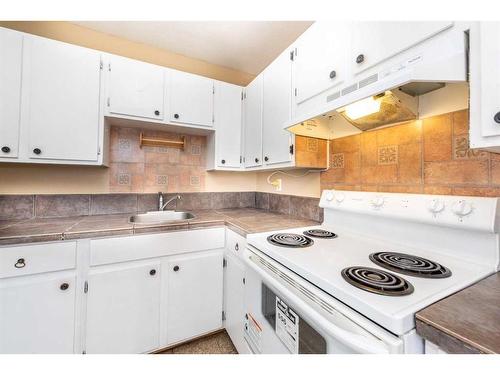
277, 184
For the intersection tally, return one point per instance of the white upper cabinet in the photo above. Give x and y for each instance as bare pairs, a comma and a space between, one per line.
194, 304
485, 86
277, 90
227, 120
11, 52
191, 99
135, 88
123, 308
320, 59
253, 123
60, 100
375, 42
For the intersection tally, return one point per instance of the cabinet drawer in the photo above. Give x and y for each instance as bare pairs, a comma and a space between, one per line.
234, 242
122, 249
31, 259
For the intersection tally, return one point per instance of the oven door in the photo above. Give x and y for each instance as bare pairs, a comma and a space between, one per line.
285, 314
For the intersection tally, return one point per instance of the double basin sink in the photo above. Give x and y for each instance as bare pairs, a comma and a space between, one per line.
160, 217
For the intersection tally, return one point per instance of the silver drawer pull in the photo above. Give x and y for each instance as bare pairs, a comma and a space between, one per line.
20, 263
236, 247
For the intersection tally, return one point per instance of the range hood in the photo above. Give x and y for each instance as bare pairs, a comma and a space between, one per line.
386, 97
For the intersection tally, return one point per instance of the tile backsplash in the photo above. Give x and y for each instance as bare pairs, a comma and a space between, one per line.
22, 207
430, 156
153, 169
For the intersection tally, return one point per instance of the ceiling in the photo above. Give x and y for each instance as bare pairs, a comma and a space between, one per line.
247, 46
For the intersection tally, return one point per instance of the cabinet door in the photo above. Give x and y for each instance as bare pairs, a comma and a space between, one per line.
227, 120
234, 302
123, 308
277, 95
135, 88
191, 99
37, 313
488, 60
194, 295
253, 123
62, 100
374, 42
320, 59
11, 52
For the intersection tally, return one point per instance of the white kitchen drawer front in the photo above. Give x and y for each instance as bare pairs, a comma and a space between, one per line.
121, 249
235, 243
32, 259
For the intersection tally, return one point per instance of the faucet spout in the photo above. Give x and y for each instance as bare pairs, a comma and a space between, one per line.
162, 205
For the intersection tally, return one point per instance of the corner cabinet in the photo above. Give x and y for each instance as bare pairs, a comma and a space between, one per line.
11, 54
252, 99
224, 145
60, 114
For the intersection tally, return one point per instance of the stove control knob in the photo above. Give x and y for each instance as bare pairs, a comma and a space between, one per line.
329, 196
339, 197
461, 208
377, 202
436, 206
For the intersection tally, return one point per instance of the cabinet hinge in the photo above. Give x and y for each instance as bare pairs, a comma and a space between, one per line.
108, 101
85, 289
242, 95
244, 281
295, 91
223, 316
213, 119
109, 67
99, 150
241, 159
291, 149
224, 263
213, 89
291, 55
100, 65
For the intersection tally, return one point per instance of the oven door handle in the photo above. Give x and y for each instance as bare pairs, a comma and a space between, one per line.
360, 343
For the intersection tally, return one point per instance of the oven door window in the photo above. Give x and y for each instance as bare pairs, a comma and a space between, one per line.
290, 326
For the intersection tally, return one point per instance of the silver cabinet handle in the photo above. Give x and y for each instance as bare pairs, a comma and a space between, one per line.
236, 247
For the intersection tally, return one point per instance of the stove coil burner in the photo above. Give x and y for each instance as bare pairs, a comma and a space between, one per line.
320, 233
377, 281
290, 240
410, 265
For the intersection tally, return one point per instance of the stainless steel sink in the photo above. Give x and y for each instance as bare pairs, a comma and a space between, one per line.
160, 217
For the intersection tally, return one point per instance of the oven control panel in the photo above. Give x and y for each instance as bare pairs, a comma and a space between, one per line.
287, 326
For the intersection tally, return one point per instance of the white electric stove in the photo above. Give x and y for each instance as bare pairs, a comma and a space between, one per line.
358, 279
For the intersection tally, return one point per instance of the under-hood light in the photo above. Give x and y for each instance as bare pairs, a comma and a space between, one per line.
362, 108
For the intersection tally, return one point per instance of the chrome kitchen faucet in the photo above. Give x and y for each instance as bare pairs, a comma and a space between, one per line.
161, 205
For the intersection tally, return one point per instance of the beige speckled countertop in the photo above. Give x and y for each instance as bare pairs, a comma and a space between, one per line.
241, 220
467, 321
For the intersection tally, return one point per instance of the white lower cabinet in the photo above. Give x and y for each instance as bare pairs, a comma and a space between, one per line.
194, 296
234, 301
37, 313
123, 308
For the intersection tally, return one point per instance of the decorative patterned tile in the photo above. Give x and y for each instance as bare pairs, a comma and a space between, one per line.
388, 155
337, 161
461, 149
